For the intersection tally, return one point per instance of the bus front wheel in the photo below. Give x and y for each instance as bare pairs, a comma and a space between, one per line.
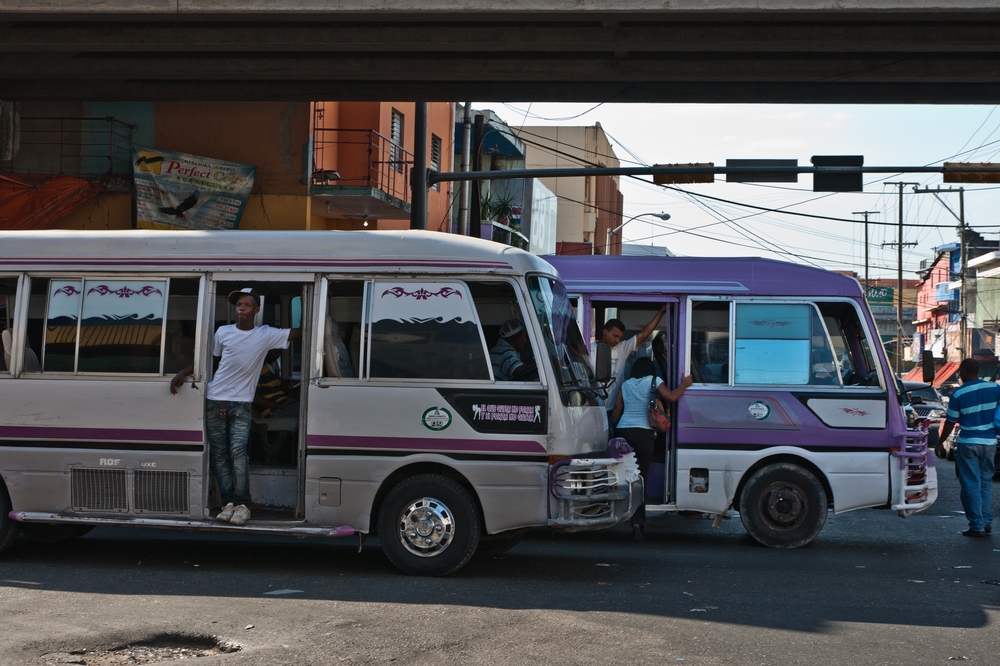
783, 506
429, 526
9, 530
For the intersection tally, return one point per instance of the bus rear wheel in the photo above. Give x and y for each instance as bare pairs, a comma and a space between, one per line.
9, 530
429, 526
783, 506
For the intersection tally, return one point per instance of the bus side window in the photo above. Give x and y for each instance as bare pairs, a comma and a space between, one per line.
113, 325
182, 316
8, 293
496, 304
782, 343
851, 348
425, 330
710, 342
342, 330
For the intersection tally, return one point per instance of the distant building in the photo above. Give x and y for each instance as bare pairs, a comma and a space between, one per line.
588, 207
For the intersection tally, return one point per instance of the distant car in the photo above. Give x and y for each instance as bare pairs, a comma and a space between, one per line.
928, 409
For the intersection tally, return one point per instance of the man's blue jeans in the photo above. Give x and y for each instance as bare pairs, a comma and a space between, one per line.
228, 440
975, 475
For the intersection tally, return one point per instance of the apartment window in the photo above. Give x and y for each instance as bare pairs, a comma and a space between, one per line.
396, 138
436, 157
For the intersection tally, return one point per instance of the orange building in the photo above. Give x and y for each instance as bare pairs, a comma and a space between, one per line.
321, 165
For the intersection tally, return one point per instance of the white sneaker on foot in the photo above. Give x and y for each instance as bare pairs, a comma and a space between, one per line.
240, 515
226, 514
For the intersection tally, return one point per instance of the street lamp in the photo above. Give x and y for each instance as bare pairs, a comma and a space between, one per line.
607, 240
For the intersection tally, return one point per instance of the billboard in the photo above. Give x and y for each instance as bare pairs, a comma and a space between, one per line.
180, 191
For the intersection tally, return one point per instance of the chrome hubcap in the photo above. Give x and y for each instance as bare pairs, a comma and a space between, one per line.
426, 527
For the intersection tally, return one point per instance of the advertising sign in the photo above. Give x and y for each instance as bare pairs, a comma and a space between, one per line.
180, 191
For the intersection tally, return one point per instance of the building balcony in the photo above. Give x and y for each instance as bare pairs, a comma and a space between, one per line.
82, 147
359, 174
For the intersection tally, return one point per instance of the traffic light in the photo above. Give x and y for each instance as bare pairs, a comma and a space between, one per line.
971, 172
684, 178
838, 182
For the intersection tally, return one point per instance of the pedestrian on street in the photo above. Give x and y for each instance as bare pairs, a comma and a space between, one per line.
973, 406
239, 350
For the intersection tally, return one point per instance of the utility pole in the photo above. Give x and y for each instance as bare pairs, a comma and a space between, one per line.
899, 279
963, 302
418, 177
463, 190
866, 213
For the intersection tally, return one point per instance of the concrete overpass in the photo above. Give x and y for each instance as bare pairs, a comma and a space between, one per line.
918, 51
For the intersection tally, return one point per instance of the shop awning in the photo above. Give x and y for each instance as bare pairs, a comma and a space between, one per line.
38, 202
945, 373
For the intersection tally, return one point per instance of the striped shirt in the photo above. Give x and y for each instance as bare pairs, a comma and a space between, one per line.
972, 406
505, 361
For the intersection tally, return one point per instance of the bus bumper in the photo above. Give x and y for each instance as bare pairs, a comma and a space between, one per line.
914, 477
593, 493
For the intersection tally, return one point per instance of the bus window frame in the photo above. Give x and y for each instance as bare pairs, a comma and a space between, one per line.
780, 300
24, 287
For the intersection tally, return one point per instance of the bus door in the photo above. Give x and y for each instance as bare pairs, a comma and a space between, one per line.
277, 440
88, 418
662, 348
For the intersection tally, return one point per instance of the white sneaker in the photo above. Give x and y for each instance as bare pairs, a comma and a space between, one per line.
226, 514
240, 515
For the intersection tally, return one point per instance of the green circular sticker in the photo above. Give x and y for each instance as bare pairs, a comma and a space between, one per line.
759, 410
436, 418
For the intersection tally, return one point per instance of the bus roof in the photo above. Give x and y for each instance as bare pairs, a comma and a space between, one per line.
272, 251
744, 276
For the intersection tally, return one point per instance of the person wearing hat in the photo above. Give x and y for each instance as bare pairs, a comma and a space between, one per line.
239, 350
506, 354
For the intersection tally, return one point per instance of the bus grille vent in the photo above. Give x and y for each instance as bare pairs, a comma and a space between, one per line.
99, 490
161, 492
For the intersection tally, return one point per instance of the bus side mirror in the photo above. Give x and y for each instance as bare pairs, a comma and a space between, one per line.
927, 365
603, 365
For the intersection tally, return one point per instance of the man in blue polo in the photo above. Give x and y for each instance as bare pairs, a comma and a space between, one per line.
973, 406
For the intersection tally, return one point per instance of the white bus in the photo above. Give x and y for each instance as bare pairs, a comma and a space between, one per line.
403, 428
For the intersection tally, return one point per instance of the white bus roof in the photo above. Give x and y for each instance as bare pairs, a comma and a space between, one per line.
261, 251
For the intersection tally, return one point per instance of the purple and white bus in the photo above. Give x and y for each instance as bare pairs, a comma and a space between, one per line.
794, 409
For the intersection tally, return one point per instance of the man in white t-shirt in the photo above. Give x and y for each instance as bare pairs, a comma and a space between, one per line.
611, 335
239, 350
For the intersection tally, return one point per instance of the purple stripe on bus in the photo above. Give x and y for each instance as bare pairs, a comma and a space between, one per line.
107, 434
426, 444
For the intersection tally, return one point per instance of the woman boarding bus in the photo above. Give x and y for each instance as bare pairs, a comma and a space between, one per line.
413, 436
793, 409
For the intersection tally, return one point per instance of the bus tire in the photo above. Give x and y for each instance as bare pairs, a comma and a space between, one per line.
9, 529
54, 533
783, 506
429, 525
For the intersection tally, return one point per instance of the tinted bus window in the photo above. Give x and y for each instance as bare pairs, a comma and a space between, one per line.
710, 342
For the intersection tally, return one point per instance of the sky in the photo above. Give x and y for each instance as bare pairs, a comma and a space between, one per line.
887, 135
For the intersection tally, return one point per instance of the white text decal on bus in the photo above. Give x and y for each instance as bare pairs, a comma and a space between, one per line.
491, 412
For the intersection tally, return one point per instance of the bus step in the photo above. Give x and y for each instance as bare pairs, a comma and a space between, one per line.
291, 528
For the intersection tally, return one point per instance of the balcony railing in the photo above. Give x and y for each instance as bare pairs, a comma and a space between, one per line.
73, 146
361, 158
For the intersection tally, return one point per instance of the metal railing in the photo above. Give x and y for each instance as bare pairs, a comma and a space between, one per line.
361, 158
73, 146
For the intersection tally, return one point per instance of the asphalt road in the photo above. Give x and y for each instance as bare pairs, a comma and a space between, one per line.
871, 589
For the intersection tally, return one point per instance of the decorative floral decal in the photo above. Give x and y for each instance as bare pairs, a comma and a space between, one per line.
124, 292
854, 411
68, 290
422, 294
770, 323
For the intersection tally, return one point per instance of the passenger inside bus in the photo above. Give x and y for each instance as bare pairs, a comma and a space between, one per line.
506, 355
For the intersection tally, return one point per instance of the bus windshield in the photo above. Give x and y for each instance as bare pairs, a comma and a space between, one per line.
563, 340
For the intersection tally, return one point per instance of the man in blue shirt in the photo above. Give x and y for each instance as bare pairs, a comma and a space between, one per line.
505, 356
974, 406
